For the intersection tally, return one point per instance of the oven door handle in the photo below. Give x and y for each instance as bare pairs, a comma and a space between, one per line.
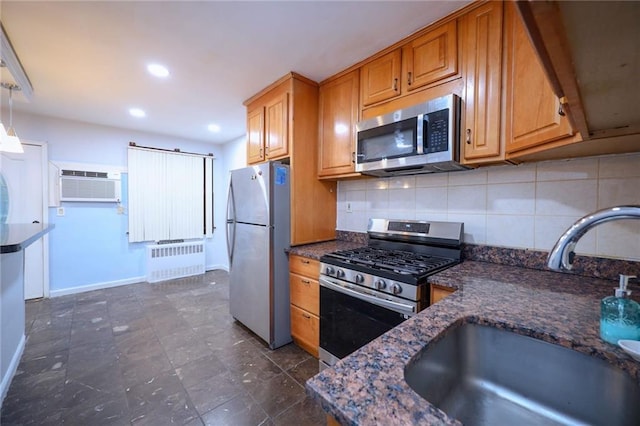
394, 306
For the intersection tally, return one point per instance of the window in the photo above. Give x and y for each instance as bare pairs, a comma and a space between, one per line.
170, 195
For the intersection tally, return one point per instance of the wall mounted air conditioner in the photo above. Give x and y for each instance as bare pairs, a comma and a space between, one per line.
85, 185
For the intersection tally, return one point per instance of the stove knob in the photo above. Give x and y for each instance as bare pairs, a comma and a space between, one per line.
340, 273
359, 279
330, 270
381, 285
396, 289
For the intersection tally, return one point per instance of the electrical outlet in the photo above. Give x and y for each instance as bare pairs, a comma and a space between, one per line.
120, 210
60, 211
349, 210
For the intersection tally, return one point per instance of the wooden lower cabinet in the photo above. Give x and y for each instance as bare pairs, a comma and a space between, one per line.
438, 293
304, 291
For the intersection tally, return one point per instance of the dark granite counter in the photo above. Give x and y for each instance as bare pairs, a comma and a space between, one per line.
15, 237
368, 387
345, 240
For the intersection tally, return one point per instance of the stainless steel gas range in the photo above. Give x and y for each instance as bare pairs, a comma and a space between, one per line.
367, 291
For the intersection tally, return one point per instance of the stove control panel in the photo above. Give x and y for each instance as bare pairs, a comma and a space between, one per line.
385, 285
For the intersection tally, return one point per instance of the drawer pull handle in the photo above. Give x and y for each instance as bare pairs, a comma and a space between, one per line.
306, 281
304, 261
307, 316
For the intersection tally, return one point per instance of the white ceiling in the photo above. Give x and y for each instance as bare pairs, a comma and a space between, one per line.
87, 60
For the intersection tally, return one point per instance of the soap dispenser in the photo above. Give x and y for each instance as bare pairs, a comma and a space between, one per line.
619, 315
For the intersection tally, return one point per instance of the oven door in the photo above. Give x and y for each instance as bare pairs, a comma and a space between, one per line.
350, 319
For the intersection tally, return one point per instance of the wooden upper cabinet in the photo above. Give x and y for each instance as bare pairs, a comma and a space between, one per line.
338, 111
431, 57
276, 128
380, 78
533, 110
255, 136
482, 53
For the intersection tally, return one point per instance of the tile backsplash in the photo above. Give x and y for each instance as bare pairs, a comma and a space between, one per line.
526, 206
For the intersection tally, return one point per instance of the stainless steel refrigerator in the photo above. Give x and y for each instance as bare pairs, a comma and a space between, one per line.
258, 230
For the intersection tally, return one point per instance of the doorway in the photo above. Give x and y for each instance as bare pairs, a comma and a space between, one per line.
26, 178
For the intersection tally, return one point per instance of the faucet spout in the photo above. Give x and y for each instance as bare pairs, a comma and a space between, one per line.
561, 256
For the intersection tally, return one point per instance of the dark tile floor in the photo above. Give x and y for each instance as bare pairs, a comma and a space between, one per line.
154, 354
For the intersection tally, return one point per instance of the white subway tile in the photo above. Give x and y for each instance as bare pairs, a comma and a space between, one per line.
514, 198
432, 179
511, 174
377, 199
352, 185
548, 230
620, 166
357, 199
402, 182
619, 239
467, 199
566, 198
468, 177
510, 231
431, 216
399, 214
615, 192
583, 168
403, 199
354, 222
432, 199
475, 227
377, 183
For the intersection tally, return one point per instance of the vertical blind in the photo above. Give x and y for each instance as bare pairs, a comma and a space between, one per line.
170, 195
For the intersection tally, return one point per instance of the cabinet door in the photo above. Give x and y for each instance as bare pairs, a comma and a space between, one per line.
380, 78
277, 127
305, 330
431, 57
533, 116
338, 117
482, 29
255, 136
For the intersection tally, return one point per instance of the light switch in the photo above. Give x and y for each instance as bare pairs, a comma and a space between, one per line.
60, 211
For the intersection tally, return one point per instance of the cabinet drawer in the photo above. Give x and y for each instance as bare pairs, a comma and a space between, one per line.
305, 330
304, 266
305, 293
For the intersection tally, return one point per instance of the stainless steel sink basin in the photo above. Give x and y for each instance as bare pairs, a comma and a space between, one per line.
482, 375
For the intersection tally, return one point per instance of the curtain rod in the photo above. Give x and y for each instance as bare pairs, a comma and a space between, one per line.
176, 150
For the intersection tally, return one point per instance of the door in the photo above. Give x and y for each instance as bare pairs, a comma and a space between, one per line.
250, 279
277, 127
255, 136
25, 177
250, 192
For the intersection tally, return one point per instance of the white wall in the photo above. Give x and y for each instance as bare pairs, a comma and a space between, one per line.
527, 206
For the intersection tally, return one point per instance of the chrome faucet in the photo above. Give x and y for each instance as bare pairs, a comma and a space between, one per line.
561, 256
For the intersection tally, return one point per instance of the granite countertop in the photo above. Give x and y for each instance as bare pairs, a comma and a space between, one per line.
368, 387
15, 237
316, 250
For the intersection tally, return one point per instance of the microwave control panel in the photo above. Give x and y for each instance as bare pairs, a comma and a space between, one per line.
437, 131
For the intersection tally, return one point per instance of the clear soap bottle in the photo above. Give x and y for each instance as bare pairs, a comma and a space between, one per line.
619, 315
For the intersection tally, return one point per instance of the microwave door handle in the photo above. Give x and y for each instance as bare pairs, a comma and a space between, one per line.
423, 120
394, 306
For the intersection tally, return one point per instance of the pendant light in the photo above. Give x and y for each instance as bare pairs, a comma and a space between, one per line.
9, 141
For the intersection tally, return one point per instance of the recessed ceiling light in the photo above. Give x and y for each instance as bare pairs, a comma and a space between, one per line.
158, 70
213, 128
137, 112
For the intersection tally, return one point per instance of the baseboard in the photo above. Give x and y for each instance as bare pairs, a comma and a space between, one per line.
13, 366
215, 267
95, 286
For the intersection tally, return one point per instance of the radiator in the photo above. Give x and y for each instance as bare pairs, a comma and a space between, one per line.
169, 261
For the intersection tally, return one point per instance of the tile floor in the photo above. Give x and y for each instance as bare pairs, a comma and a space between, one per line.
154, 354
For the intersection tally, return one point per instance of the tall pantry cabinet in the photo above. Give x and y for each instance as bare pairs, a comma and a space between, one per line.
282, 124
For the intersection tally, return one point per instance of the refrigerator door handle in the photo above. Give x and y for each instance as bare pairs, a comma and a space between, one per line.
231, 225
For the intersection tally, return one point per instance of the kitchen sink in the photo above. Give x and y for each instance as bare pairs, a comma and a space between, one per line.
483, 375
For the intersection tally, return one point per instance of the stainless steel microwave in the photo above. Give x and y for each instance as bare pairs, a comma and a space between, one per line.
424, 138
